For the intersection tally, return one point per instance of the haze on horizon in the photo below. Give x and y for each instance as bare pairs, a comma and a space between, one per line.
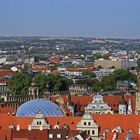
88, 18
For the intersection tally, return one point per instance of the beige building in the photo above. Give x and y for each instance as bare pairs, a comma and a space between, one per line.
79, 89
106, 64
88, 125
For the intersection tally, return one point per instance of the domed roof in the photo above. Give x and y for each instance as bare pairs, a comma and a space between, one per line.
30, 108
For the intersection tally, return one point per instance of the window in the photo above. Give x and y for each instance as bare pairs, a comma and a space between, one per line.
89, 123
130, 131
88, 132
50, 136
85, 123
93, 106
59, 136
38, 123
93, 132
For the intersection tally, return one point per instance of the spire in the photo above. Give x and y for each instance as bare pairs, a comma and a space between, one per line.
129, 111
137, 109
33, 89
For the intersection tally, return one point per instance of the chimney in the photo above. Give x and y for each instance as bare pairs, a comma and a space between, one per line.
40, 128
29, 128
18, 127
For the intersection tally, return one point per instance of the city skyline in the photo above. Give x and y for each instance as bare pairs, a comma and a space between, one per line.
103, 19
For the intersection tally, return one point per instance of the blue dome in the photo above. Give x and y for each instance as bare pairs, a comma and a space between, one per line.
30, 108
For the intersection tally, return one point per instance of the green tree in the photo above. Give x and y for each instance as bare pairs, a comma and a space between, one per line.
109, 82
88, 74
19, 83
41, 82
85, 81
56, 82
123, 74
96, 85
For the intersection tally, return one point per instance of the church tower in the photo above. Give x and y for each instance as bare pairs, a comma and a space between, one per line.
34, 90
137, 110
129, 110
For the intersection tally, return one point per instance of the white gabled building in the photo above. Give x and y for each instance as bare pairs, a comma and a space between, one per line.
98, 106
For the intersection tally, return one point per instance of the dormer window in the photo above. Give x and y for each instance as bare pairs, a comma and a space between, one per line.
89, 123
56, 126
93, 132
130, 131
59, 136
50, 136
38, 122
101, 107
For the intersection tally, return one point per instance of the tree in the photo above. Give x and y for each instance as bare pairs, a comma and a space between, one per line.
41, 82
56, 82
86, 81
96, 85
88, 74
109, 82
19, 83
123, 74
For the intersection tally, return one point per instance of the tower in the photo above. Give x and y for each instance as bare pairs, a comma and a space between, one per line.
137, 109
70, 104
129, 110
34, 90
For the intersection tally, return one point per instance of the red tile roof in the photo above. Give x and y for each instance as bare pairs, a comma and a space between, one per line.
3, 80
80, 69
30, 135
55, 60
38, 69
5, 72
55, 71
121, 136
104, 121
6, 109
112, 101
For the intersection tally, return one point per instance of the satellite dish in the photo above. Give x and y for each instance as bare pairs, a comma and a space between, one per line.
14, 69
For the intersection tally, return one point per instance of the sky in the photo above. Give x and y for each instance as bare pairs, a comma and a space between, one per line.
67, 18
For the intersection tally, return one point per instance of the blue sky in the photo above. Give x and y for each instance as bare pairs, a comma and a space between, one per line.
95, 18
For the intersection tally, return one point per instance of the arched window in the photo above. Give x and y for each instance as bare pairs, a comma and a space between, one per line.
130, 131
89, 123
88, 132
93, 132
38, 123
107, 130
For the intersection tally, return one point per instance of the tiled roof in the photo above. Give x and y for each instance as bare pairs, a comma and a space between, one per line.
80, 69
6, 109
5, 72
105, 121
55, 71
38, 69
112, 101
3, 80
122, 136
33, 134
